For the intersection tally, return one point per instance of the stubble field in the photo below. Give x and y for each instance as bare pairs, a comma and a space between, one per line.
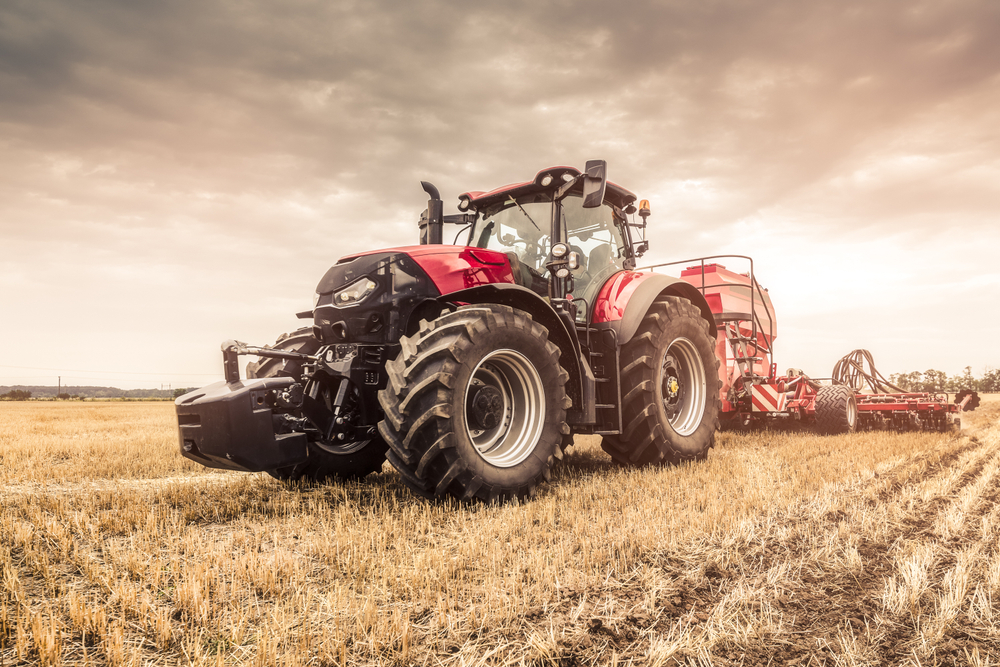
782, 548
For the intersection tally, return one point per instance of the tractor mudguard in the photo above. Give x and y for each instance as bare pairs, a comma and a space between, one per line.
625, 298
582, 387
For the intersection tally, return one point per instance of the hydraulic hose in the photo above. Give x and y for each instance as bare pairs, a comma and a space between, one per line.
857, 369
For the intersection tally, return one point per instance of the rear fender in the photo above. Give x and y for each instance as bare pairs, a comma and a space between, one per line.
626, 297
581, 385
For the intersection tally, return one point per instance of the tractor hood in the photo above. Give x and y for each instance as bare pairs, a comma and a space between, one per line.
369, 297
449, 268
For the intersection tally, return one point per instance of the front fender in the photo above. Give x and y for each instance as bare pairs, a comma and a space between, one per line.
625, 298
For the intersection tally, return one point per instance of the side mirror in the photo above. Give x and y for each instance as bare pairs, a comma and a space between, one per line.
595, 180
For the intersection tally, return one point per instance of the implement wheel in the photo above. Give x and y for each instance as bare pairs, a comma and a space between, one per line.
475, 406
670, 374
327, 460
836, 410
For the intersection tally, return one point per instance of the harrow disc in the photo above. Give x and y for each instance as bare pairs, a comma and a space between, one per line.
972, 404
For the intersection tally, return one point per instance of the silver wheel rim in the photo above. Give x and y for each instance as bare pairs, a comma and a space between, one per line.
504, 408
852, 412
683, 386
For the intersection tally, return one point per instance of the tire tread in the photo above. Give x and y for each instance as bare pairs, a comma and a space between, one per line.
416, 401
643, 440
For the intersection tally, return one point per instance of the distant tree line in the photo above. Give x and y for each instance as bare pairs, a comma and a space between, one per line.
15, 395
24, 393
938, 381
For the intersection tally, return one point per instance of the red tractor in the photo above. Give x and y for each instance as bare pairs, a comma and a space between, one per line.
470, 367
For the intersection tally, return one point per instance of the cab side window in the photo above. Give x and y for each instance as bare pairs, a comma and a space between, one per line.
593, 234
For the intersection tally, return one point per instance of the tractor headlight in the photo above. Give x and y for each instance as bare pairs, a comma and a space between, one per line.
559, 250
354, 293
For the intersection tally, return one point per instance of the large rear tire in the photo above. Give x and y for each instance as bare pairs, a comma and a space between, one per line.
836, 410
475, 405
670, 380
327, 460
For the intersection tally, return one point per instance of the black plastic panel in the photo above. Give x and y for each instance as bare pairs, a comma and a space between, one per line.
382, 316
230, 426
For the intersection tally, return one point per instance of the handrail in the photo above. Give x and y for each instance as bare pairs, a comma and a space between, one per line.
753, 287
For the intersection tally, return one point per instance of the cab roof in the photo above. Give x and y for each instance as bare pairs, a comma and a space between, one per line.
613, 194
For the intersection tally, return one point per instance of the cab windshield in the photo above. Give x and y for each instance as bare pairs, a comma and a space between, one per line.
520, 228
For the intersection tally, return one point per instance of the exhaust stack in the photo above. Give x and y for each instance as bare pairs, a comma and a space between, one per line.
432, 219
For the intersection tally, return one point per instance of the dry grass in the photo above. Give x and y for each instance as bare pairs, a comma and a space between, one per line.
860, 549
51, 443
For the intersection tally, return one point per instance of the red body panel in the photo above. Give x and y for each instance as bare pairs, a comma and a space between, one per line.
454, 267
611, 301
465, 268
728, 292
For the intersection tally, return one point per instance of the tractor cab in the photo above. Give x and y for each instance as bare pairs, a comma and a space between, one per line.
525, 220
597, 236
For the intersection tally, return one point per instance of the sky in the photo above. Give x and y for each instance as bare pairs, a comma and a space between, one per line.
176, 174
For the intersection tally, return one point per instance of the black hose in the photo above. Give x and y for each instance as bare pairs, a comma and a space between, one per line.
851, 371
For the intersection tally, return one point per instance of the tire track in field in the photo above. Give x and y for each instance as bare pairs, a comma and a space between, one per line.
899, 572
929, 564
816, 584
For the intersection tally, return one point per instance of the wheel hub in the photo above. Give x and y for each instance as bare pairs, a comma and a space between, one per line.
487, 407
672, 388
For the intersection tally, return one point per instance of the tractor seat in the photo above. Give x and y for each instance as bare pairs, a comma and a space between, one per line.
599, 258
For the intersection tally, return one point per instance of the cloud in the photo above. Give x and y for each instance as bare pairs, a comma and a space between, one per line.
226, 153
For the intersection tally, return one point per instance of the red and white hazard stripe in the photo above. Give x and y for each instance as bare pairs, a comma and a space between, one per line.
767, 398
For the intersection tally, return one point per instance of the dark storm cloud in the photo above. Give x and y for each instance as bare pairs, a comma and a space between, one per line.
227, 143
753, 94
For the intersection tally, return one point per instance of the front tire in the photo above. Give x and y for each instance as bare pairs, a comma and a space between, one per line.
327, 460
670, 374
475, 406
